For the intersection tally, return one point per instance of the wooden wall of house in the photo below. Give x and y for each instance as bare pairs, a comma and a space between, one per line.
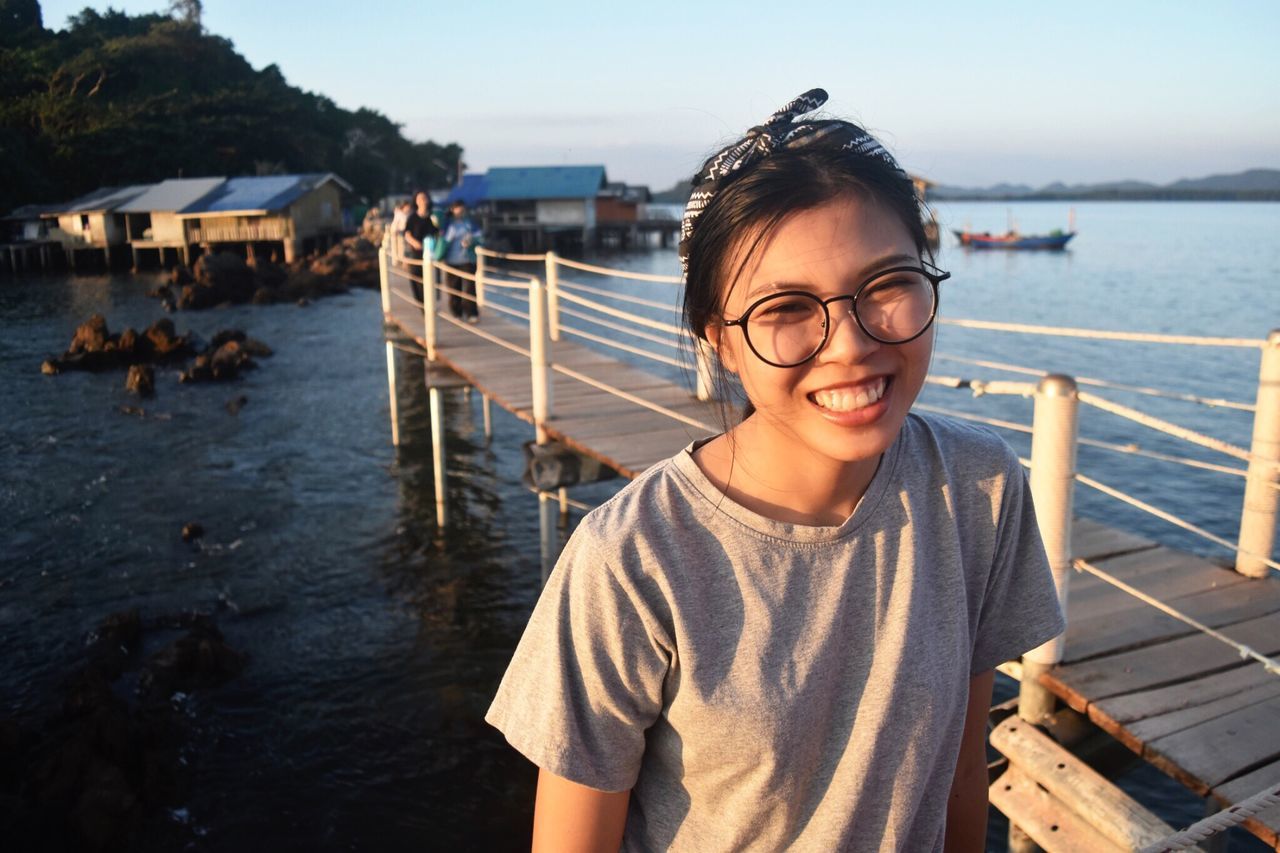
317, 212
566, 212
104, 229
616, 210
167, 227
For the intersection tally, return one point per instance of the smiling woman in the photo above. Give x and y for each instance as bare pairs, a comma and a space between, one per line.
783, 636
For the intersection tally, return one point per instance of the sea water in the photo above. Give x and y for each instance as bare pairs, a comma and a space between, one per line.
375, 641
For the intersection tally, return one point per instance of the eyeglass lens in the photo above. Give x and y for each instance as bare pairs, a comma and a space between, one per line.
790, 328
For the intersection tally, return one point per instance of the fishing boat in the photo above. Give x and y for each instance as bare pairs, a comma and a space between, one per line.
1014, 239
1056, 239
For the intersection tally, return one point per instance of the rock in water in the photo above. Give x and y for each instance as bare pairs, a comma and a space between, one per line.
141, 380
192, 531
235, 404
91, 336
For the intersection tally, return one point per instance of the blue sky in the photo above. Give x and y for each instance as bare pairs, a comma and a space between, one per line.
1080, 92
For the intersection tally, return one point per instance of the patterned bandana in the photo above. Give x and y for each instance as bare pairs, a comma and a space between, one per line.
780, 132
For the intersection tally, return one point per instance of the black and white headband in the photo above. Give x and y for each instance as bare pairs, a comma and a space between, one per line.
780, 132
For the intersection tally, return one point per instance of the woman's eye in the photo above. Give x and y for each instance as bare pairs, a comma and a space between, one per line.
784, 308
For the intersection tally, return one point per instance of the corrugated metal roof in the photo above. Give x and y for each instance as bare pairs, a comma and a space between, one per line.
33, 211
171, 195
264, 193
473, 190
535, 182
103, 199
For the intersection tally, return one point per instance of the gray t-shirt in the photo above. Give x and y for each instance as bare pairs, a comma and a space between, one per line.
760, 685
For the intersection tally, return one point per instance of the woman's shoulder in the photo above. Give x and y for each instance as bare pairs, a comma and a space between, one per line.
646, 503
968, 450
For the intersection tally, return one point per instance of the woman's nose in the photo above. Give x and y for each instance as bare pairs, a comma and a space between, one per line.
845, 339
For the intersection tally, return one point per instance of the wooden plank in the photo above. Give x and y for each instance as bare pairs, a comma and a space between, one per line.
1266, 824
1051, 825
1181, 696
1217, 750
1153, 666
1162, 725
1121, 628
1076, 785
1091, 540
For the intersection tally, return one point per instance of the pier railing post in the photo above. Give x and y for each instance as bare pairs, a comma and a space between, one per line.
1053, 470
391, 387
480, 265
553, 295
384, 274
539, 357
438, 456
1261, 498
428, 272
706, 385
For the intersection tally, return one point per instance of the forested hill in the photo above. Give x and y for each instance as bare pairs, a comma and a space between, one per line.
117, 99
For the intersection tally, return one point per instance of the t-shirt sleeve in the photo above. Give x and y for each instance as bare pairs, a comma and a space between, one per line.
587, 677
1020, 610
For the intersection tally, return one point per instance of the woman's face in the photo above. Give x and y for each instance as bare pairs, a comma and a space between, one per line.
848, 403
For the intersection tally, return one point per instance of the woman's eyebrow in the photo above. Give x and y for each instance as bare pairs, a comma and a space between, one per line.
866, 272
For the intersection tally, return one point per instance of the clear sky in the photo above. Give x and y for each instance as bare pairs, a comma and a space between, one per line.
1081, 92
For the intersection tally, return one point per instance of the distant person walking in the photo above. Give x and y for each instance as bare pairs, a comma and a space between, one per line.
419, 229
460, 239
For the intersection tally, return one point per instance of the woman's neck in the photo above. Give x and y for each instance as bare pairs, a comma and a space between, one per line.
771, 474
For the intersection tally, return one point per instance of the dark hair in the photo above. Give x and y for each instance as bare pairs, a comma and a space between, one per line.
751, 205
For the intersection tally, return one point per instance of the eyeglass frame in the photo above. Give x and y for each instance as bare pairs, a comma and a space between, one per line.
935, 278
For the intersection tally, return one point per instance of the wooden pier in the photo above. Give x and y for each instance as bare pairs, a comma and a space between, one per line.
1181, 699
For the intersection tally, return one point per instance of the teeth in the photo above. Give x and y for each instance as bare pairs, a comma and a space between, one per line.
848, 399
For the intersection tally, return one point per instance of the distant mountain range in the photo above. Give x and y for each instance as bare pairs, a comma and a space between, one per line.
1250, 185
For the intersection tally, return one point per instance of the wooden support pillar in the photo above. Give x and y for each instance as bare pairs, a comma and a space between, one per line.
384, 273
391, 387
437, 450
1053, 470
1261, 498
547, 534
553, 295
485, 407
291, 249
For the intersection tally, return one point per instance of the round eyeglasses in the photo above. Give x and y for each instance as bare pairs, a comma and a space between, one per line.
894, 306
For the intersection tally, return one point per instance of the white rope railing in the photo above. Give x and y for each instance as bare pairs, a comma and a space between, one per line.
669, 328
1211, 402
407, 297
1166, 427
1128, 449
613, 273
981, 387
1099, 335
1271, 665
639, 401
617, 327
1214, 824
1169, 517
508, 256
568, 284
621, 346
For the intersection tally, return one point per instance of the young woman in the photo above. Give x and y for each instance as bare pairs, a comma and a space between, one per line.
783, 637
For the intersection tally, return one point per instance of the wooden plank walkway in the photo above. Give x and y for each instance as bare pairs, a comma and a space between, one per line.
1182, 700
621, 434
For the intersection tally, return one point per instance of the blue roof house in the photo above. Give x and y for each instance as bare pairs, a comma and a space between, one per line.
539, 207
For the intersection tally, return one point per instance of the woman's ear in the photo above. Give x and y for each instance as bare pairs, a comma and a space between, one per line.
715, 338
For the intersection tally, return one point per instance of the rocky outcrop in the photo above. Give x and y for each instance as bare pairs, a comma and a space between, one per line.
224, 278
94, 348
